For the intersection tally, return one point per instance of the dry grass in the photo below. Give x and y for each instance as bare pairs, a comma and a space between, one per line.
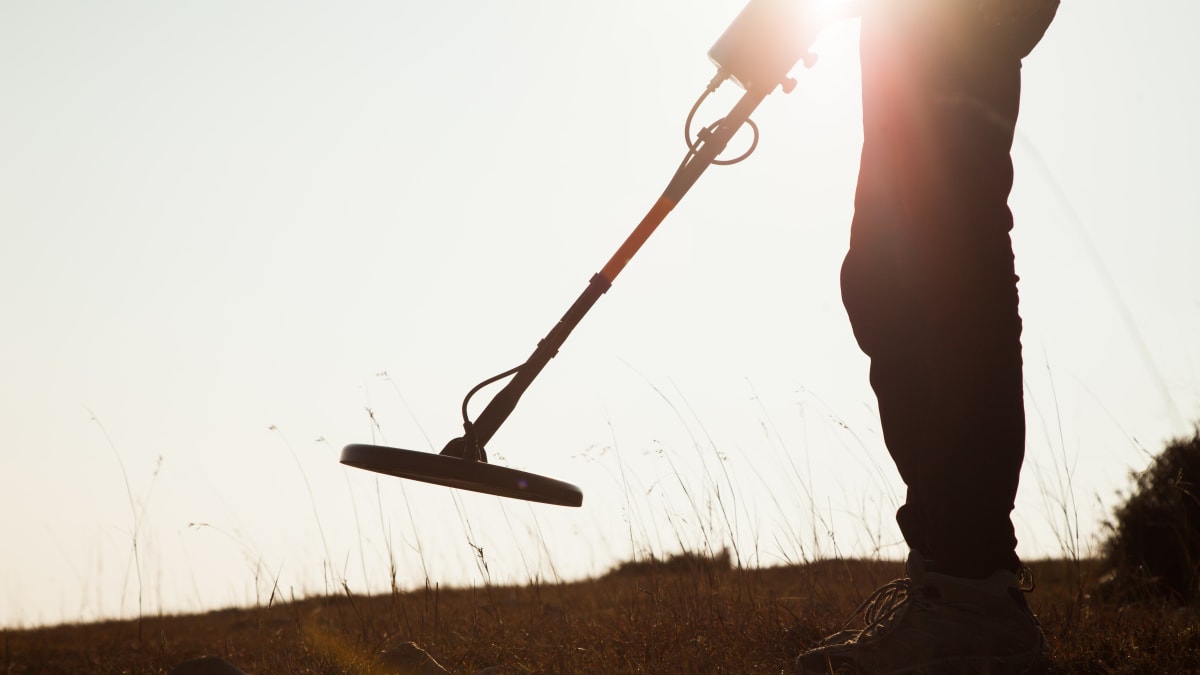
691, 616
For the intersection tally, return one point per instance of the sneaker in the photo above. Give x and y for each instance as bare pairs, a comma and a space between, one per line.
934, 624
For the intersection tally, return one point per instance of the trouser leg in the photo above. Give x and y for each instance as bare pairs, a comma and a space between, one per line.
929, 282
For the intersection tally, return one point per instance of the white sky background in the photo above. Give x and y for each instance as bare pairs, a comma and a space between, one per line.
222, 217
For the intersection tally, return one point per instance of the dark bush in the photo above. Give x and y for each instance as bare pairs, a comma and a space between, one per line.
687, 561
1153, 547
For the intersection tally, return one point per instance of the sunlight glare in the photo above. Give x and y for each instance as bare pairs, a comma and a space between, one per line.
840, 36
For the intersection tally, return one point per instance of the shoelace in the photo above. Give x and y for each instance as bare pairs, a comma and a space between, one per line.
1025, 581
880, 607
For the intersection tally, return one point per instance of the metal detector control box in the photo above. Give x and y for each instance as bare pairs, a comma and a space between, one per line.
764, 42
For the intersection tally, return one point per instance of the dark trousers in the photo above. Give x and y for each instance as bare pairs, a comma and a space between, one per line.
929, 282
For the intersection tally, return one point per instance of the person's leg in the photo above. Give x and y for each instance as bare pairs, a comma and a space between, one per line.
930, 288
929, 282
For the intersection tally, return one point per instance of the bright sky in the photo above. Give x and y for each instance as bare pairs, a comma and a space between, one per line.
231, 229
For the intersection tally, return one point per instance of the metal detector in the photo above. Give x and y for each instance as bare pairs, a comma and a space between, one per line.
757, 51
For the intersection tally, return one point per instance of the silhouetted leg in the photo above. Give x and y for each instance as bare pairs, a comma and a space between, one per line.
929, 282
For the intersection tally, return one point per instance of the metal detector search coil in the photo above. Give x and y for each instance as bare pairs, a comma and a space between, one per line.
758, 50
463, 474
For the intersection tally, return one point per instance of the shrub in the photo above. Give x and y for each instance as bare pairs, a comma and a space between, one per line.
1153, 548
687, 561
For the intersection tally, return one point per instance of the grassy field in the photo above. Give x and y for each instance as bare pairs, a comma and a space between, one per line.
683, 615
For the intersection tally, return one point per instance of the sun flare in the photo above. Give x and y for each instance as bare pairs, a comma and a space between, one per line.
838, 37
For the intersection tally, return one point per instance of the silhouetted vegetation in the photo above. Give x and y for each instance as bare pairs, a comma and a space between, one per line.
680, 562
653, 618
1153, 547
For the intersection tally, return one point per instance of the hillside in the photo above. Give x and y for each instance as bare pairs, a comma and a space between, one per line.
683, 615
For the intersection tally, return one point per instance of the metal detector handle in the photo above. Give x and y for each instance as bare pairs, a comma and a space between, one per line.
711, 145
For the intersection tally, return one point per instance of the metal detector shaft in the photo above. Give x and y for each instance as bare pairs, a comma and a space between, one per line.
710, 145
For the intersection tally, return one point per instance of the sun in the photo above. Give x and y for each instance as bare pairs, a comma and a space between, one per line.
839, 19
844, 7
